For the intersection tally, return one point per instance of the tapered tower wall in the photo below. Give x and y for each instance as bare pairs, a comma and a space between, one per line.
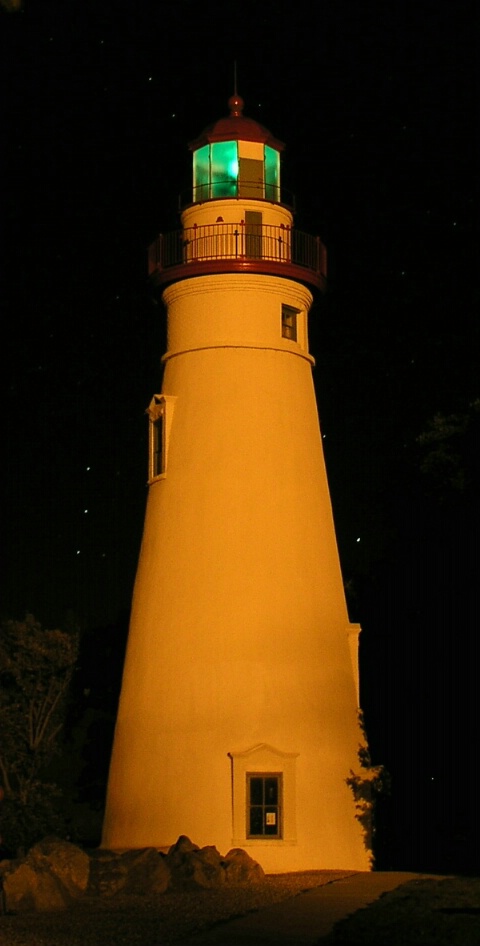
241, 669
238, 633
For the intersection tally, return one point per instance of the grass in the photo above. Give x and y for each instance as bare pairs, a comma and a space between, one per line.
444, 912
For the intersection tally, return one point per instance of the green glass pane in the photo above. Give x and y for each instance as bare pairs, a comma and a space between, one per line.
272, 174
201, 173
224, 158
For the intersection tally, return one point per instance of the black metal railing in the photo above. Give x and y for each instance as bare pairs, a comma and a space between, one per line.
237, 241
235, 189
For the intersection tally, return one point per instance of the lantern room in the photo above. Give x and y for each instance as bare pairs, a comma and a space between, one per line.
236, 158
236, 169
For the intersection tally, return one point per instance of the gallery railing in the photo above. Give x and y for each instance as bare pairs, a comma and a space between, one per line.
240, 242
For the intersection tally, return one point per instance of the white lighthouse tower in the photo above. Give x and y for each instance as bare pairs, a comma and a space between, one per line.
238, 717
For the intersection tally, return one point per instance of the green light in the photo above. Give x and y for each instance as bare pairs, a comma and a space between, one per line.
217, 169
224, 168
272, 174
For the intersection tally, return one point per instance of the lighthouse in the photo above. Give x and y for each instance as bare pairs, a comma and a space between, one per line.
238, 716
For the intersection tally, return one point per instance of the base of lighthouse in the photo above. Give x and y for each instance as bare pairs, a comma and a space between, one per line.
318, 827
200, 785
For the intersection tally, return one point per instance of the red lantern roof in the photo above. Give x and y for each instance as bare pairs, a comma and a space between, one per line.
235, 127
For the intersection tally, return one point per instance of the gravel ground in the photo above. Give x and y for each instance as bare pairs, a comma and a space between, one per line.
128, 920
444, 912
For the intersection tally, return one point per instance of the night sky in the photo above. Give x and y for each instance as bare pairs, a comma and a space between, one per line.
377, 104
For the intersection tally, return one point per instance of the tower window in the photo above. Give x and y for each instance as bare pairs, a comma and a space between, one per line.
158, 451
263, 787
289, 322
264, 805
160, 412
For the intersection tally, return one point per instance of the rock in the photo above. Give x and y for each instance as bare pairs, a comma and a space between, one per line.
65, 861
179, 851
55, 873
192, 867
107, 873
203, 868
31, 886
143, 871
147, 872
240, 868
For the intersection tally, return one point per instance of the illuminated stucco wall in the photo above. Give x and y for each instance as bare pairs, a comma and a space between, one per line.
235, 310
233, 211
239, 633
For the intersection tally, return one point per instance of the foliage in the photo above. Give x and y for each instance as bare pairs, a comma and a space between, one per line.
367, 786
36, 668
12, 6
449, 451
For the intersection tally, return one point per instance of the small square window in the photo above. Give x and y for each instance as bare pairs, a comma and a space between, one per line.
264, 805
289, 322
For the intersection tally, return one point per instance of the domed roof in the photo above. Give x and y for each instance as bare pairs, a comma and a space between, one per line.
235, 127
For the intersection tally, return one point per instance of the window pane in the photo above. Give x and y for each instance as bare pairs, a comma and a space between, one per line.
256, 791
201, 173
289, 322
271, 791
272, 174
256, 820
158, 446
224, 169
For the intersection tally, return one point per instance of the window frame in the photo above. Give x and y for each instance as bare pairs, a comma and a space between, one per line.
264, 834
157, 429
264, 760
290, 322
160, 413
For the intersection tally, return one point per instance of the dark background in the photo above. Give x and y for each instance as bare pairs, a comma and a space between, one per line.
377, 103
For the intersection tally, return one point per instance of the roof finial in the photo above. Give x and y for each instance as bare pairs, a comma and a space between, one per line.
235, 102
